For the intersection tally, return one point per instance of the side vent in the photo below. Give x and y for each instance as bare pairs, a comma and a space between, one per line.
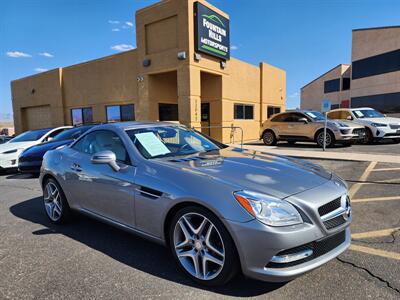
149, 193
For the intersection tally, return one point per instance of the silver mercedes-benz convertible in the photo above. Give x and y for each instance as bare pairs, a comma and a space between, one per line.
220, 210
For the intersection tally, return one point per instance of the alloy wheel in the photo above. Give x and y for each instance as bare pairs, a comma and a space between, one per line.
321, 139
52, 201
268, 138
199, 246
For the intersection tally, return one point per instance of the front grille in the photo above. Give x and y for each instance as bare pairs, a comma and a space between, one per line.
359, 131
329, 207
395, 126
319, 248
335, 222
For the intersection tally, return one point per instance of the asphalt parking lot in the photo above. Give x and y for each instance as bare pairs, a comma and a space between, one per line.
88, 259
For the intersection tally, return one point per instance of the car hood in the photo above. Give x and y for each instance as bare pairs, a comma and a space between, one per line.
40, 149
385, 120
18, 145
274, 175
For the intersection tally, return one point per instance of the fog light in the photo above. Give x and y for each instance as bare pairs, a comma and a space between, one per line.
287, 258
13, 161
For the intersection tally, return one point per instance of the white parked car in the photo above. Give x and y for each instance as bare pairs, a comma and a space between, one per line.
378, 126
10, 151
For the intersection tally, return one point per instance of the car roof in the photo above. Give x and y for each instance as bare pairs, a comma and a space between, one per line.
136, 124
352, 109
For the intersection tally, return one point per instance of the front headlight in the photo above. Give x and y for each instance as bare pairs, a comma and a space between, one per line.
268, 210
379, 125
10, 151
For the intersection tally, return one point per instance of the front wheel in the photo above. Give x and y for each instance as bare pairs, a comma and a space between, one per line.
55, 203
202, 246
269, 138
330, 139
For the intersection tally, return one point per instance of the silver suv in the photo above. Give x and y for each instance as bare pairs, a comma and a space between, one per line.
296, 126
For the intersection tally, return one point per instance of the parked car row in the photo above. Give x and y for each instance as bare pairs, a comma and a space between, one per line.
344, 126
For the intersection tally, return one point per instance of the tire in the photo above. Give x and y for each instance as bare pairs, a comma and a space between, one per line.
55, 203
369, 138
206, 239
330, 139
269, 138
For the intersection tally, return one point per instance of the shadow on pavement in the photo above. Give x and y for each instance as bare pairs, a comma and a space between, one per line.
130, 249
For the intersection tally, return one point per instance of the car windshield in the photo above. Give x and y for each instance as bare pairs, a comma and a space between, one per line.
169, 141
367, 113
315, 115
30, 136
71, 134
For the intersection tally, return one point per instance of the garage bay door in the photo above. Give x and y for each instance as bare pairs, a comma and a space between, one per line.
36, 117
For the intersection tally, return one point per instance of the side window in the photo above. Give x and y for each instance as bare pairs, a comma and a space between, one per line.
102, 140
333, 115
54, 133
297, 117
345, 114
279, 118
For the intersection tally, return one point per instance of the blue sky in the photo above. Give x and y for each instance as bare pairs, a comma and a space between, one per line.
306, 38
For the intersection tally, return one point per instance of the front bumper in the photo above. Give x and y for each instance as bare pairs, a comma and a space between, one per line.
346, 134
29, 166
385, 133
257, 244
8, 161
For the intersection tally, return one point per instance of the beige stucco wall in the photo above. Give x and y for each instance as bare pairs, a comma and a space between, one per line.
162, 30
313, 93
35, 91
367, 43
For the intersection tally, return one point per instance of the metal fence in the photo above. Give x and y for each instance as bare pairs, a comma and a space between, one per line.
232, 134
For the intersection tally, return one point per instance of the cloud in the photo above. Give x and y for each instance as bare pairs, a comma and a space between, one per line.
46, 54
40, 70
17, 54
294, 95
115, 29
113, 22
130, 24
234, 47
122, 47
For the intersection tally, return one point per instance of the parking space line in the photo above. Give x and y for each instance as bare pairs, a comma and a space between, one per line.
375, 233
392, 198
377, 252
355, 187
386, 169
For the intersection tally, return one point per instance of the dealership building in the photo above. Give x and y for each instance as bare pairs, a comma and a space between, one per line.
371, 80
180, 71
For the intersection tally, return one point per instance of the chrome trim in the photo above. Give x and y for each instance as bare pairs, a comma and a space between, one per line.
282, 259
147, 193
333, 214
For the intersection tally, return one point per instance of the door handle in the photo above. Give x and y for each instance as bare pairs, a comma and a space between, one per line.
76, 167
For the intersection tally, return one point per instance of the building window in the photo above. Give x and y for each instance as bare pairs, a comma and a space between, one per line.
243, 112
120, 113
385, 103
168, 112
375, 65
335, 106
332, 85
345, 84
272, 110
81, 115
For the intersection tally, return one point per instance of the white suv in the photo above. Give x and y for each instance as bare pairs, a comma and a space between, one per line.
377, 125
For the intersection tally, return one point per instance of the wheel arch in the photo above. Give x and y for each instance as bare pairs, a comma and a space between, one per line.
322, 129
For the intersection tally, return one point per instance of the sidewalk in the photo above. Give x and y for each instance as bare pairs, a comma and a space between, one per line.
304, 153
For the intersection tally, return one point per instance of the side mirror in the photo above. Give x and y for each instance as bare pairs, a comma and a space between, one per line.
304, 120
106, 157
350, 118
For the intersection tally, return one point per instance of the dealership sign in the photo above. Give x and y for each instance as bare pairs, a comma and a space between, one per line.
211, 32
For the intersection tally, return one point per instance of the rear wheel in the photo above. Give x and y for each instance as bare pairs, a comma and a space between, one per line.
55, 203
202, 246
330, 139
269, 138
